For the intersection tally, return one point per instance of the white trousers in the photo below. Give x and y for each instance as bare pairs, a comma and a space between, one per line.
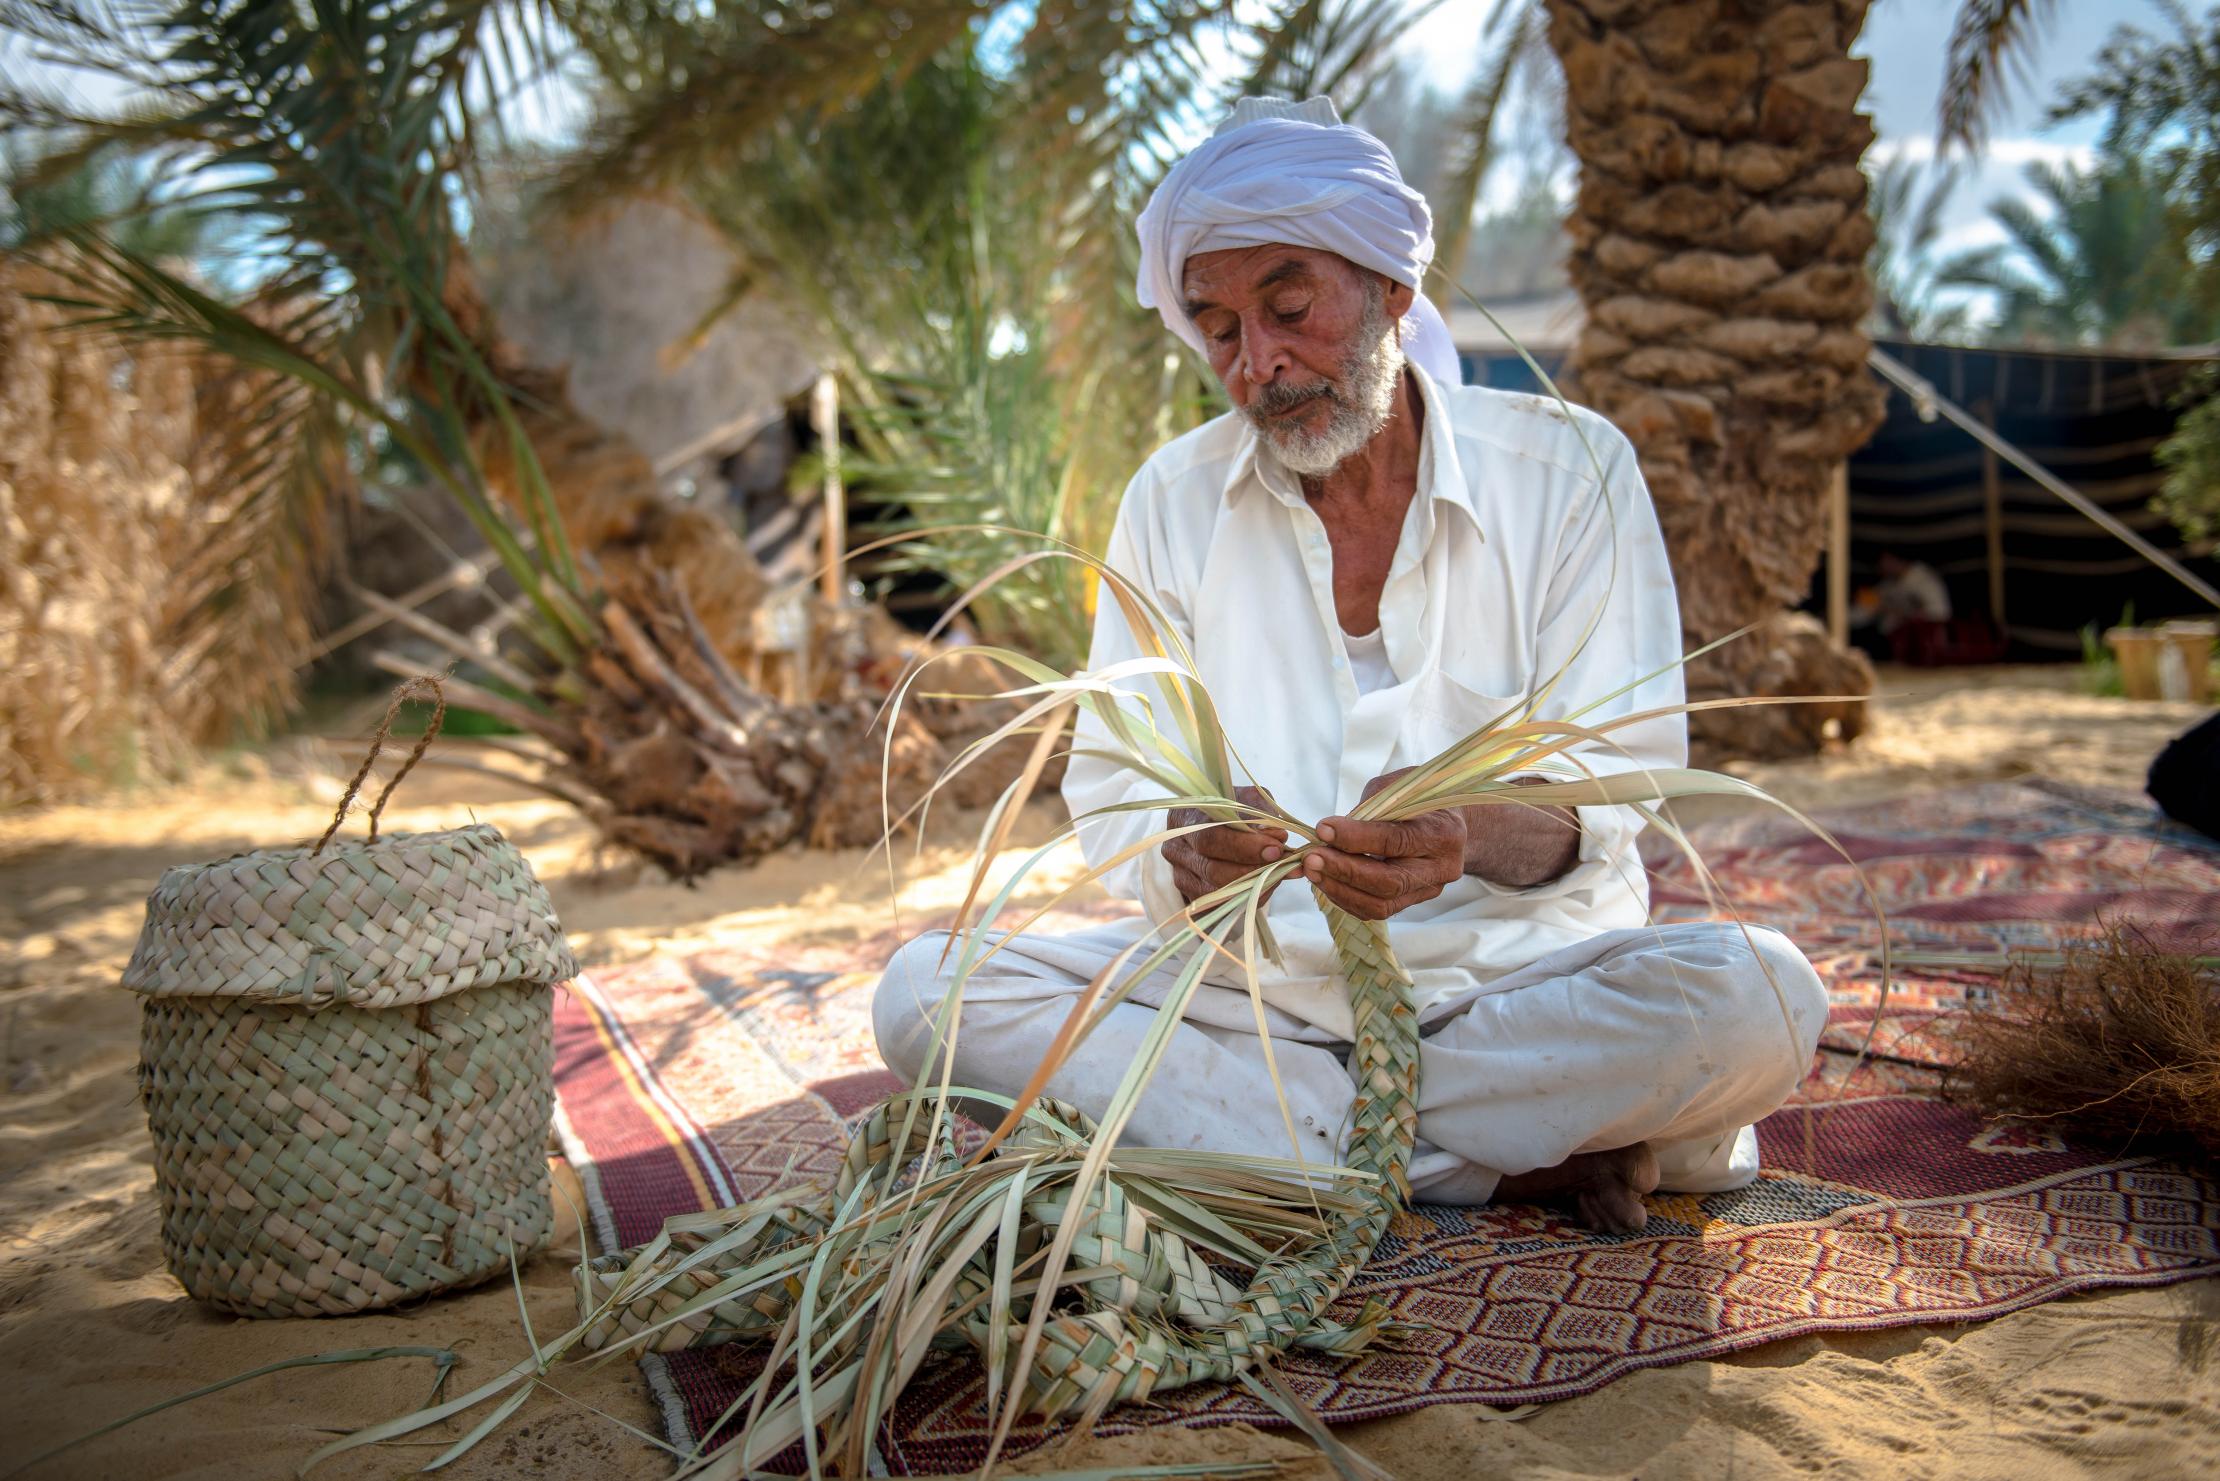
1681, 1036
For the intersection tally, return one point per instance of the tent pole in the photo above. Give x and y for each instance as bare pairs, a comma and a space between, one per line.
1929, 402
1838, 556
1992, 510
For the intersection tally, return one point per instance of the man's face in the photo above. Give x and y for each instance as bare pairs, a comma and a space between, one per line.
1304, 343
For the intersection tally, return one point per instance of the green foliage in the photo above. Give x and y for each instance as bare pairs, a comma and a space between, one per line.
108, 190
957, 235
2097, 260
2123, 254
2190, 496
942, 298
2100, 671
2160, 98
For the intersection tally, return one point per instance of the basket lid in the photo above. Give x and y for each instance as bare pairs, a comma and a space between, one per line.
376, 923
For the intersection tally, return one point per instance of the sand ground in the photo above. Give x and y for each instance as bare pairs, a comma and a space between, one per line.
92, 1326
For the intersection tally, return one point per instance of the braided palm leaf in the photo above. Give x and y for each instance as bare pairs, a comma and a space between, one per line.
1080, 1271
1142, 1308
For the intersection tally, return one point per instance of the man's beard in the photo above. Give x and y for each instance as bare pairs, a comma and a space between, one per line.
1358, 406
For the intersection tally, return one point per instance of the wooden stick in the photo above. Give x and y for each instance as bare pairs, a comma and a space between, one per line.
1838, 556
1992, 511
824, 408
482, 654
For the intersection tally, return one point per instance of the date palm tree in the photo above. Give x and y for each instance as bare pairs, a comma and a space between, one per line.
2090, 258
349, 129
353, 129
1718, 241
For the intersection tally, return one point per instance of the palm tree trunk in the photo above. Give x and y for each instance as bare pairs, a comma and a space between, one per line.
1718, 243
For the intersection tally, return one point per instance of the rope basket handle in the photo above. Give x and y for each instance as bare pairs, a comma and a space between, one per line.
401, 696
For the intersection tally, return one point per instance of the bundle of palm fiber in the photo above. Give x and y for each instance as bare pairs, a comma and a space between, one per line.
2113, 1044
347, 1062
155, 589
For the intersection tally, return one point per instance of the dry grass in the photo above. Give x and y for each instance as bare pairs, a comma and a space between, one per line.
2116, 1045
147, 605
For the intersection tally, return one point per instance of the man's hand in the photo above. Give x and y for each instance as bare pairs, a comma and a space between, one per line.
1216, 857
1375, 870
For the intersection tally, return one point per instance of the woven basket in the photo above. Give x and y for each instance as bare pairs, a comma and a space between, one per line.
347, 1063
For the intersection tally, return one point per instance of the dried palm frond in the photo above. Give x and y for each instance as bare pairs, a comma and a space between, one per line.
153, 592
2112, 1044
1080, 1271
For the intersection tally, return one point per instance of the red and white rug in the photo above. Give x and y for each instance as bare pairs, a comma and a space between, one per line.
689, 1082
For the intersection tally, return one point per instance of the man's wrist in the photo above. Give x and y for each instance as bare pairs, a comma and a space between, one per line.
1520, 847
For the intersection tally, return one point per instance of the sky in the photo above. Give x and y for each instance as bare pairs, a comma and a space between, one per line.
1905, 40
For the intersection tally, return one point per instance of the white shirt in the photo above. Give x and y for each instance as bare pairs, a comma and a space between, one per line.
1505, 556
1368, 660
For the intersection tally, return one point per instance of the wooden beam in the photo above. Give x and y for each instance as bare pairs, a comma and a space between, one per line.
1838, 556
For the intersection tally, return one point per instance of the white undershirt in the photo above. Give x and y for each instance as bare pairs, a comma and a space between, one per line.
1368, 660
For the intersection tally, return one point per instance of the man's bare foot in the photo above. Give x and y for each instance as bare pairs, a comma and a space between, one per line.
1604, 1188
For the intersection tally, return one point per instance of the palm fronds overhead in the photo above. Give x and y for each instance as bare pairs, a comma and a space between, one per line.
1991, 45
1906, 201
2091, 257
689, 87
1523, 46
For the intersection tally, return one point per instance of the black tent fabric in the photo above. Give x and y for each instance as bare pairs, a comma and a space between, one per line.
1919, 489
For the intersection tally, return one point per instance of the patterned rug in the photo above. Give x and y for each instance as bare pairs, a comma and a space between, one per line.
1980, 871
689, 1082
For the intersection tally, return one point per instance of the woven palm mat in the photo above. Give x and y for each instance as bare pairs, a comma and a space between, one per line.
688, 1082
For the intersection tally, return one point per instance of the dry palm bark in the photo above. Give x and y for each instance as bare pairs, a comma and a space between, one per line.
672, 752
675, 757
149, 602
1718, 244
614, 511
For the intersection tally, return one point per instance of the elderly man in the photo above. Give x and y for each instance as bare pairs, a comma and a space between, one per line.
1370, 561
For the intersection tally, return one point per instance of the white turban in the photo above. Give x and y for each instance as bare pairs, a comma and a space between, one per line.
1293, 173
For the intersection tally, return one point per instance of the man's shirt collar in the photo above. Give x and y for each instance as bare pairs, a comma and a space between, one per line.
1441, 477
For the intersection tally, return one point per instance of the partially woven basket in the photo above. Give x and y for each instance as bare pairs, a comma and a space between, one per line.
347, 1060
